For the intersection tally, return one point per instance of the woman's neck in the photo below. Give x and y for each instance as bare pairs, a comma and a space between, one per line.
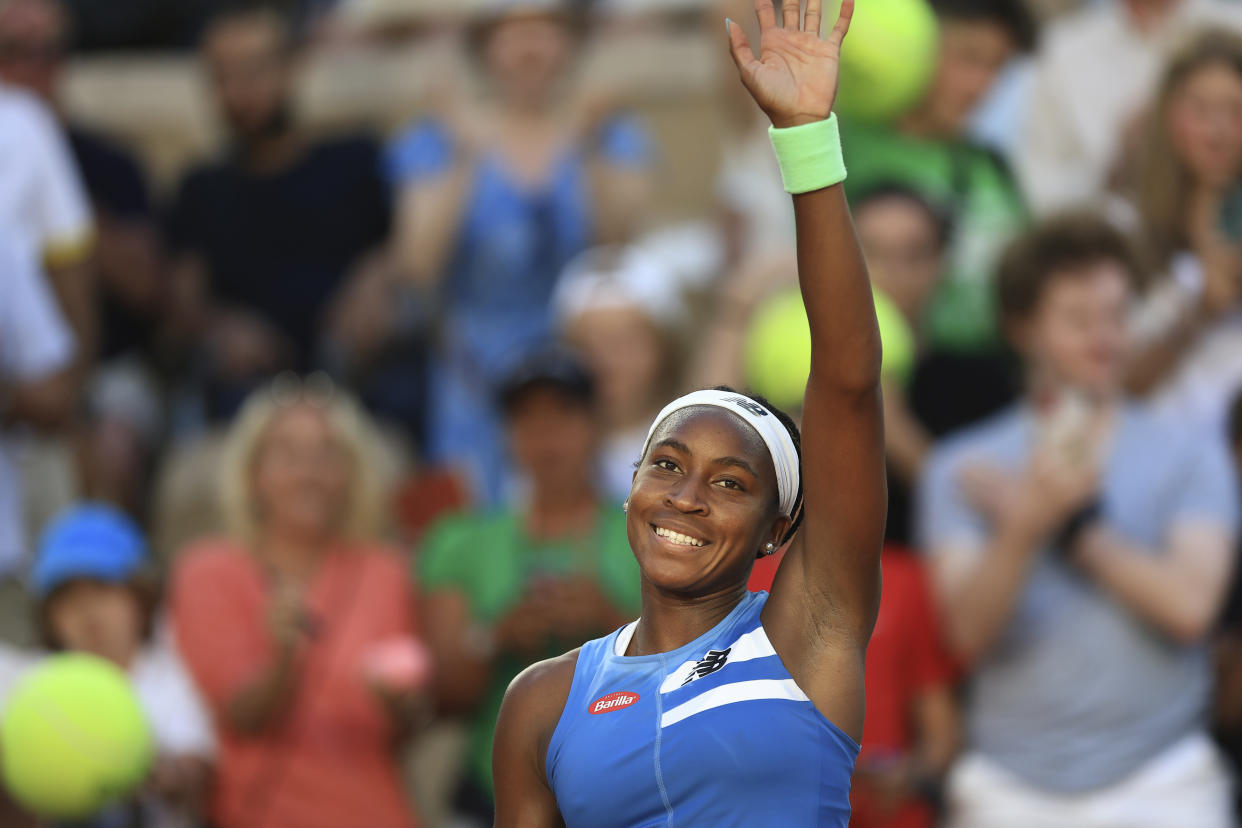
670, 622
291, 556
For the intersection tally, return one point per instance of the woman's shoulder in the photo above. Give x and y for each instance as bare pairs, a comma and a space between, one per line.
426, 146
212, 555
538, 694
378, 556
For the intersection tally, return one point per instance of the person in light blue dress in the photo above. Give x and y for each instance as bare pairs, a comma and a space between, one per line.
719, 707
496, 198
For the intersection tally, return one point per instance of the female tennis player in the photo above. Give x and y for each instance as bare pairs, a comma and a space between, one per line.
720, 707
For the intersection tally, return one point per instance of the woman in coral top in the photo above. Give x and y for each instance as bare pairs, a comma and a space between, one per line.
299, 630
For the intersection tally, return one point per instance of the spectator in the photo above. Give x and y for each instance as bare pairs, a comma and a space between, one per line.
266, 236
928, 149
40, 193
495, 199
1188, 193
616, 308
1095, 71
96, 595
37, 389
510, 587
279, 622
1080, 547
34, 37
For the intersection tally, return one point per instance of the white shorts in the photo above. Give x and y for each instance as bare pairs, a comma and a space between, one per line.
1186, 786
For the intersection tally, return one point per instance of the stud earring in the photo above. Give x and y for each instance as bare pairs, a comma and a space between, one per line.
625, 507
769, 548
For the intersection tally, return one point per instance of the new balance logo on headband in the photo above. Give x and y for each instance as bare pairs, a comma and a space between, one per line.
710, 663
748, 404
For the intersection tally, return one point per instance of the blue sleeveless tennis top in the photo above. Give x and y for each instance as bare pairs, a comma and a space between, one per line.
716, 733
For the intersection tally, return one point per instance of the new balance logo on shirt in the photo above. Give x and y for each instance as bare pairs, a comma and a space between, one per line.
710, 663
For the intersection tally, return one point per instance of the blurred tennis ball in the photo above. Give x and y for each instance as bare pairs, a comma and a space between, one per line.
73, 738
897, 338
887, 59
777, 350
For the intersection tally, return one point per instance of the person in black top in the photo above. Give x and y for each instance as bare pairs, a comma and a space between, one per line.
266, 236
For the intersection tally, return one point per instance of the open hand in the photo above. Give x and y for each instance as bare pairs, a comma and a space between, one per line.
1036, 502
794, 79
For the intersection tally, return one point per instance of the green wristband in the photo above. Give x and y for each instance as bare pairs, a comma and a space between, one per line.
809, 155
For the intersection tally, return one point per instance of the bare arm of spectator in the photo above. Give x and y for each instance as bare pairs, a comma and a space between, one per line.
720, 359
466, 648
47, 403
1178, 589
74, 283
619, 173
463, 653
1219, 262
906, 442
429, 213
938, 726
255, 707
38, 383
979, 584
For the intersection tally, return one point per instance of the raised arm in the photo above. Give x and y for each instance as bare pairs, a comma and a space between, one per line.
832, 574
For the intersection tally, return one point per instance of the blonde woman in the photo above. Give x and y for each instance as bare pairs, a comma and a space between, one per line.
283, 623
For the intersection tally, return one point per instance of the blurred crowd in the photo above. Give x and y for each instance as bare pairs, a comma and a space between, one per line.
321, 433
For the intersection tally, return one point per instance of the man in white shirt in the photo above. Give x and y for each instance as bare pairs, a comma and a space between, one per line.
42, 199
37, 389
1095, 72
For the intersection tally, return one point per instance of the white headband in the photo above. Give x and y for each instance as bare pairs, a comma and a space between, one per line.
774, 434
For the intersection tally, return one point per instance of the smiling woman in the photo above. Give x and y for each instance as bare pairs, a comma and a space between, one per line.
718, 706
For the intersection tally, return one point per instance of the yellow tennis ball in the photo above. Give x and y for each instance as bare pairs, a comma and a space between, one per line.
897, 339
73, 738
887, 59
777, 349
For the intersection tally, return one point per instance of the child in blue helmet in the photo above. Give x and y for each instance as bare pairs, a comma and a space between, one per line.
94, 593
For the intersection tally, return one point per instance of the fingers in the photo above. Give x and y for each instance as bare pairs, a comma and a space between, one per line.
739, 47
843, 22
766, 12
814, 14
791, 14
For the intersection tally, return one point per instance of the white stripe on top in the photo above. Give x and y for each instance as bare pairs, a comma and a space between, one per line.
786, 689
751, 645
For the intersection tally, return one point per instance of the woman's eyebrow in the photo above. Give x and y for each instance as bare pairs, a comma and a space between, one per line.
674, 444
738, 462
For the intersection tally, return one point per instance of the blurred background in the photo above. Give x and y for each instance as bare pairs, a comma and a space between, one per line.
330, 331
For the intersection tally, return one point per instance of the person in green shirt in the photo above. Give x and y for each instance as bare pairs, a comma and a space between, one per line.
507, 588
928, 150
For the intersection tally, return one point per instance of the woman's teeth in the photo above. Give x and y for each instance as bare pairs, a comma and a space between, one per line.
679, 538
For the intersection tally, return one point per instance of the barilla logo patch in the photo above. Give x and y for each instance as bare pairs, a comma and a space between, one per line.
611, 702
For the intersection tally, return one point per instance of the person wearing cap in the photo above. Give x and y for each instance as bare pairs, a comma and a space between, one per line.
95, 594
507, 587
618, 307
495, 196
